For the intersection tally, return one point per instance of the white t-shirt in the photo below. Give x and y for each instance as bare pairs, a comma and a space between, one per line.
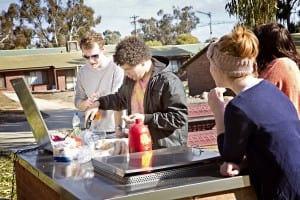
105, 80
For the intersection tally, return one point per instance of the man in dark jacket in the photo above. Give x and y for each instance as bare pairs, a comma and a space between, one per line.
151, 92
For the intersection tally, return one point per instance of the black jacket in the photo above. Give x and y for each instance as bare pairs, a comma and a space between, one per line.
165, 105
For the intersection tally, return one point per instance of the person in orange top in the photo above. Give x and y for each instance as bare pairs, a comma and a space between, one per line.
278, 60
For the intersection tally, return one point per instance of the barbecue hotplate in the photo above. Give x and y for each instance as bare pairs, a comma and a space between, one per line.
153, 165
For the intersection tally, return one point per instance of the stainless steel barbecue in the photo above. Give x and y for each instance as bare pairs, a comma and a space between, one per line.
154, 166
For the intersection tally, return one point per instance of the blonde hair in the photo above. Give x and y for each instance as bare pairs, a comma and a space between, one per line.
241, 42
235, 53
90, 39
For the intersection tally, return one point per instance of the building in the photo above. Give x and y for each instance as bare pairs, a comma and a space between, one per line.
56, 68
196, 71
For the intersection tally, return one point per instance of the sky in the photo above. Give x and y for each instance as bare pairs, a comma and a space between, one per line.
117, 14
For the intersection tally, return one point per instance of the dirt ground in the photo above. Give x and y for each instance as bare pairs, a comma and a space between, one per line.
11, 111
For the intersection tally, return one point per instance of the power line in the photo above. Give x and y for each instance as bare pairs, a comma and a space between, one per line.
134, 22
217, 23
210, 22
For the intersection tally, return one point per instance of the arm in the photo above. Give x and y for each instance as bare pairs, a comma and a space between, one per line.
166, 105
233, 127
116, 101
117, 82
118, 122
81, 100
233, 142
80, 95
217, 105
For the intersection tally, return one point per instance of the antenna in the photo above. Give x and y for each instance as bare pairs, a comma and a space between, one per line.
209, 15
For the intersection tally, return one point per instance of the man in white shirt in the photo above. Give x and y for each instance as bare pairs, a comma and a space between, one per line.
99, 77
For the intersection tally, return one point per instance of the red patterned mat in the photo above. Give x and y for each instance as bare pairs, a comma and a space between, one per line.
199, 110
202, 138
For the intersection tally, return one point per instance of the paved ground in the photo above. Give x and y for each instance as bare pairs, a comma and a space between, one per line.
19, 134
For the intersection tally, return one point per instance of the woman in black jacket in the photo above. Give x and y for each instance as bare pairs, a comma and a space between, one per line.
151, 92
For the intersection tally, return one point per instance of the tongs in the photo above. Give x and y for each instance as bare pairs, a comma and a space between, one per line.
88, 122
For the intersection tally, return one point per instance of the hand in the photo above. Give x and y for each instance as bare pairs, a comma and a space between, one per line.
91, 112
216, 99
130, 120
229, 169
120, 146
119, 133
91, 100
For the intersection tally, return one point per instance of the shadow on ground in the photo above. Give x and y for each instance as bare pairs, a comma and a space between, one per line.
13, 116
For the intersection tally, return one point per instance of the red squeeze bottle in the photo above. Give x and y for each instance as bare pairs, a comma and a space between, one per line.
139, 137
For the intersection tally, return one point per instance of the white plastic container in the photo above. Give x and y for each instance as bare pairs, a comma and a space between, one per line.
76, 124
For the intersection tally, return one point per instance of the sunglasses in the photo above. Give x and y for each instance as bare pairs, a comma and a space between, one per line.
95, 56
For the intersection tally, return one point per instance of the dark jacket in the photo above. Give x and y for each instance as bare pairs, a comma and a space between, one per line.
165, 105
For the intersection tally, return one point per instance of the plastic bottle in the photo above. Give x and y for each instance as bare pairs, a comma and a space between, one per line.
76, 124
139, 137
96, 127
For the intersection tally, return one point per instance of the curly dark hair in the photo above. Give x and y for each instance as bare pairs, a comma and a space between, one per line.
275, 41
132, 51
89, 39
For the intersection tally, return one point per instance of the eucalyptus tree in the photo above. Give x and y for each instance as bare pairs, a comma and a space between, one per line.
56, 21
166, 33
7, 26
252, 12
285, 10
148, 30
79, 18
111, 37
167, 27
185, 20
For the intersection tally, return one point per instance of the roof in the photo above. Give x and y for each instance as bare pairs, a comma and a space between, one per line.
56, 60
60, 58
189, 61
176, 50
295, 37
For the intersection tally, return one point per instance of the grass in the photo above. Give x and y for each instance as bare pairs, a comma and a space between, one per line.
6, 178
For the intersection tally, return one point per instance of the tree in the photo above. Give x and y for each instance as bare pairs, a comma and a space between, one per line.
166, 33
284, 11
168, 27
187, 20
34, 13
7, 35
148, 30
153, 43
252, 12
186, 38
111, 37
56, 21
79, 18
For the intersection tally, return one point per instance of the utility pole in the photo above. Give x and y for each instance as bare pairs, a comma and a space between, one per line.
134, 22
209, 15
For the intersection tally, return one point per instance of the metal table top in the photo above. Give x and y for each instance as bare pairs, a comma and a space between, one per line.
79, 181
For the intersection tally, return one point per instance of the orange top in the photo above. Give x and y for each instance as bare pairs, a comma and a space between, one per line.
285, 74
137, 97
97, 116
